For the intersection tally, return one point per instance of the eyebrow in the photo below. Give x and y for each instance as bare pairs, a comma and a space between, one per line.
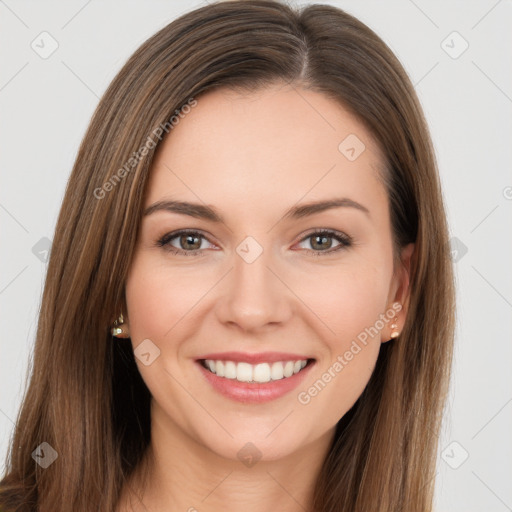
209, 213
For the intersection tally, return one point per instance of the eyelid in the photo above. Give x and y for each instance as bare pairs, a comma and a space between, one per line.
330, 231
344, 240
164, 241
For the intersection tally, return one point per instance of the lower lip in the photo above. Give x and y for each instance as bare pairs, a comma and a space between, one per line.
254, 393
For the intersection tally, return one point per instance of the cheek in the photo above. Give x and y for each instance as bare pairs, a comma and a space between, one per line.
159, 298
147, 301
350, 301
160, 304
347, 298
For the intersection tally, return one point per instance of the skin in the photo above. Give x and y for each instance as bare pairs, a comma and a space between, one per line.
252, 157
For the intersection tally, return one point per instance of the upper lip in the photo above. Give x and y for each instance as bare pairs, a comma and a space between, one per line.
255, 358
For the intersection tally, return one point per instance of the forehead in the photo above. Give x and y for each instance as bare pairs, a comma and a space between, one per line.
268, 147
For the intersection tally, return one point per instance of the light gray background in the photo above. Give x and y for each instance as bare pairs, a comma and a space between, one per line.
46, 105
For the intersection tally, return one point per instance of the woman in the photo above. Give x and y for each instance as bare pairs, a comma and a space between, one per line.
249, 301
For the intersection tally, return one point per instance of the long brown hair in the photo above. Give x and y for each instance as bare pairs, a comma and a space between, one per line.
85, 396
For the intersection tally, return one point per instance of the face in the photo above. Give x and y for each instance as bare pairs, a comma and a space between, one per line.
256, 315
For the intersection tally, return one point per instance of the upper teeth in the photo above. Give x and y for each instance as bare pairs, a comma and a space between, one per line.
262, 372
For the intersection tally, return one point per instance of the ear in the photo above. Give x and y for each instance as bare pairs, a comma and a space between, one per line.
399, 293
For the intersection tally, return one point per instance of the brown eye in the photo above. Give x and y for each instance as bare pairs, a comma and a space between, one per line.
321, 242
184, 242
326, 242
190, 242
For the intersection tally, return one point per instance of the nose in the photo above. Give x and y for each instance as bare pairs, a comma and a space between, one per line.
254, 296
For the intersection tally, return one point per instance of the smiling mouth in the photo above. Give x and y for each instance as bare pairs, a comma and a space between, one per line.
260, 373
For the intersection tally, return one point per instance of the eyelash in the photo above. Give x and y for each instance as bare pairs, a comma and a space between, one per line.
345, 241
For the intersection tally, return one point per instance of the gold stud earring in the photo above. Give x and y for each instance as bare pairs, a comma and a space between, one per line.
394, 333
120, 330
